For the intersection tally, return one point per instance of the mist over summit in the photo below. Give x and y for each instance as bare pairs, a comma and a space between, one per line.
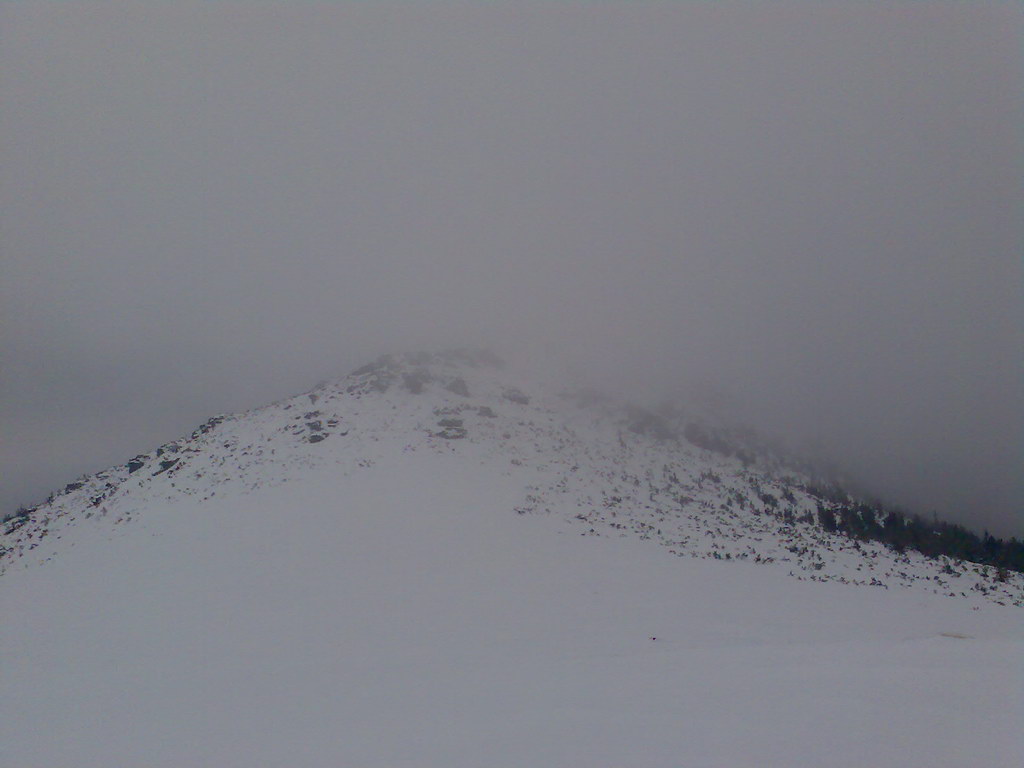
681, 475
744, 487
811, 207
438, 560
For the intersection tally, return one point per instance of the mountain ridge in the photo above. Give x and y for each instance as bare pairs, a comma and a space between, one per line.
485, 571
605, 466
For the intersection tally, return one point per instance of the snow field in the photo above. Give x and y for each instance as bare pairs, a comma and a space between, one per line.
401, 615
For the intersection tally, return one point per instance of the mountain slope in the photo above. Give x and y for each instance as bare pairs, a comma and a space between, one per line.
342, 578
610, 468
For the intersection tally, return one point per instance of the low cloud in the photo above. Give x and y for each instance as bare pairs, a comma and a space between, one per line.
811, 210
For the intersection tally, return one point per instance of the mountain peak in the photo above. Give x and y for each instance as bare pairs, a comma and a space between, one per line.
603, 466
430, 540
414, 371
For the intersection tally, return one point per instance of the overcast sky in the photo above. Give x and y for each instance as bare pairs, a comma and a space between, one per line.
813, 208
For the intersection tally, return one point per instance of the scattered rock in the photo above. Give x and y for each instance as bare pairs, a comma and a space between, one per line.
451, 410
16, 520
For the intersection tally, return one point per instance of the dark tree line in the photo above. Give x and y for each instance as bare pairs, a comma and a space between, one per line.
839, 512
932, 538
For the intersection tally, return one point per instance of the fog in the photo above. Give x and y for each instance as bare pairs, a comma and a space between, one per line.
811, 210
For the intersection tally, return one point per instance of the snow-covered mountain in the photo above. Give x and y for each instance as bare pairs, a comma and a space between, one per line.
432, 562
602, 467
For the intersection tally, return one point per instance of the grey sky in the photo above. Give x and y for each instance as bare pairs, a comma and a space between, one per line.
814, 207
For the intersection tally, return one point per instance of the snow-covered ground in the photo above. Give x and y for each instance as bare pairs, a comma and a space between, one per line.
508, 591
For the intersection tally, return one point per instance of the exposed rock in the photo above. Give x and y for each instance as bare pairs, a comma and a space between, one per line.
208, 426
516, 396
458, 386
450, 410
377, 376
699, 504
16, 520
416, 380
165, 465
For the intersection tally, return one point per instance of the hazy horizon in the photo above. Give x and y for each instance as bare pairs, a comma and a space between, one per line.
812, 210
